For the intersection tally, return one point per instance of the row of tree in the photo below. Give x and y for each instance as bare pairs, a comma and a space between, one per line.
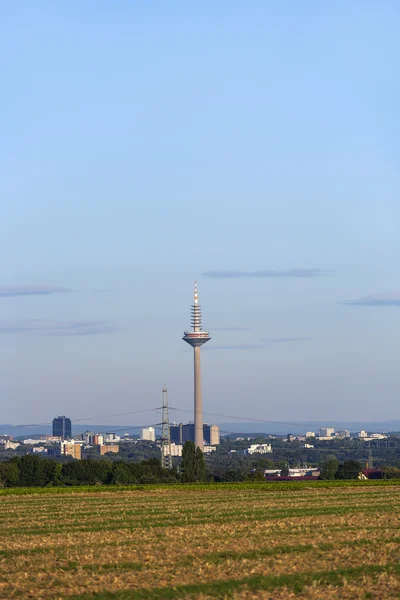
30, 470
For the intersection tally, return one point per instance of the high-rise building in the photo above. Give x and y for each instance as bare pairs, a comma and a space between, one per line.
62, 427
148, 433
71, 448
185, 432
326, 431
196, 337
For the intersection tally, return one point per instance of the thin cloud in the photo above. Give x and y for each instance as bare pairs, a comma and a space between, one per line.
55, 328
31, 290
295, 273
230, 329
286, 340
388, 299
235, 347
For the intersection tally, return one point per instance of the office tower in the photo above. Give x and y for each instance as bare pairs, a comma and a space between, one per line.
62, 427
196, 337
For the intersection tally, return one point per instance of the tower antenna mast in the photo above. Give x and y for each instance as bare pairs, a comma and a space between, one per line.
166, 456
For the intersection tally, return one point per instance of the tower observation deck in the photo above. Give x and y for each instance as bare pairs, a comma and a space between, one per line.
196, 337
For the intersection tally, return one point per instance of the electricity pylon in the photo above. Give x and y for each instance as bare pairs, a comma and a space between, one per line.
166, 457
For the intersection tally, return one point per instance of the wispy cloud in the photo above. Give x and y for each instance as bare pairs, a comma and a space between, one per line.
286, 340
31, 290
296, 273
55, 328
230, 329
235, 347
389, 299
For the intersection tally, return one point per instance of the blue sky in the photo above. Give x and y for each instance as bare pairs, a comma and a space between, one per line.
251, 146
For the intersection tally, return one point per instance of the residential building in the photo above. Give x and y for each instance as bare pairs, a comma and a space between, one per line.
71, 448
97, 439
259, 449
108, 448
176, 449
363, 434
148, 433
62, 427
326, 431
310, 434
8, 445
110, 436
209, 449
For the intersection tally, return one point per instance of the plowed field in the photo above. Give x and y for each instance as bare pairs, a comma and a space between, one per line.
226, 541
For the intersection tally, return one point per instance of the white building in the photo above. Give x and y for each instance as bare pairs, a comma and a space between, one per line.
208, 449
176, 449
310, 434
110, 436
259, 449
326, 431
148, 433
363, 434
8, 445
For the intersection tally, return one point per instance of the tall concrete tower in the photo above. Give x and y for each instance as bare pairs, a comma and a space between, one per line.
196, 338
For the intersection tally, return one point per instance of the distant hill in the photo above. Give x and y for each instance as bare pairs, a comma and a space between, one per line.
36, 430
242, 427
299, 428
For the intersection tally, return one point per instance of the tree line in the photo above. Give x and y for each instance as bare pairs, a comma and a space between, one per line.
30, 470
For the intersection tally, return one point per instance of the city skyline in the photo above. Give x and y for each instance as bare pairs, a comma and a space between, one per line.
253, 149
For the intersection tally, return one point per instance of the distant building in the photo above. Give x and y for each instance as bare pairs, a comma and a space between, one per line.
326, 432
108, 448
176, 449
185, 432
343, 433
215, 437
363, 434
148, 433
62, 427
8, 445
209, 449
71, 448
259, 449
310, 434
110, 436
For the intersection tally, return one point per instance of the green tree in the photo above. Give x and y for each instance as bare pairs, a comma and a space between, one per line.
350, 469
391, 473
199, 466
9, 473
188, 465
31, 471
120, 473
285, 470
329, 469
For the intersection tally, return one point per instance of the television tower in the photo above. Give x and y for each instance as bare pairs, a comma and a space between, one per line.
196, 337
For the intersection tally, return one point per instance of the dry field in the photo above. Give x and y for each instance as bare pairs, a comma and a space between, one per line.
226, 541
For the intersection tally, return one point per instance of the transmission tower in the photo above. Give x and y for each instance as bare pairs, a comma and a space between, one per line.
166, 457
370, 463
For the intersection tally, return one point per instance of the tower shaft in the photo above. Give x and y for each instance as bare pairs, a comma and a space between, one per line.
198, 402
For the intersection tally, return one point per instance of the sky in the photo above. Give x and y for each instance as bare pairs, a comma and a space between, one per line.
251, 146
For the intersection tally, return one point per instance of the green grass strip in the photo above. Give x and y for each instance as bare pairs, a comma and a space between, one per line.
225, 589
195, 487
